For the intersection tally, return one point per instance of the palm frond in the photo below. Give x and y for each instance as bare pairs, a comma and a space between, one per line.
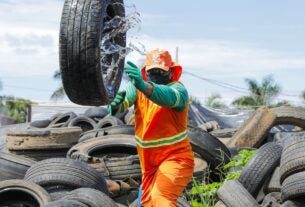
58, 94
57, 75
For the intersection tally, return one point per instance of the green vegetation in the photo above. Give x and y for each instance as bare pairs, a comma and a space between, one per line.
214, 101
15, 108
59, 93
203, 194
194, 100
260, 94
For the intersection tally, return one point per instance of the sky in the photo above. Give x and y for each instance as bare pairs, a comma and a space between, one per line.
226, 41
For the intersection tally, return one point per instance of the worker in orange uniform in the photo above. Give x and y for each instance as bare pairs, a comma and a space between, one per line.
161, 108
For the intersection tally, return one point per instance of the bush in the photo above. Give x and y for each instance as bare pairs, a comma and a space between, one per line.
203, 194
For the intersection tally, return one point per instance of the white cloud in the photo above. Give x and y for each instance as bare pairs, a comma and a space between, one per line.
29, 46
29, 37
224, 56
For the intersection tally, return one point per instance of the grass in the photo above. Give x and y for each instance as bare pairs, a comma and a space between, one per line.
204, 193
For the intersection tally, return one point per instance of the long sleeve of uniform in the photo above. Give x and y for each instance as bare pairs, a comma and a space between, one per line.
173, 95
130, 98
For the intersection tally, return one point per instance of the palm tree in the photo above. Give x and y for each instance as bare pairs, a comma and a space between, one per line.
214, 101
260, 94
59, 93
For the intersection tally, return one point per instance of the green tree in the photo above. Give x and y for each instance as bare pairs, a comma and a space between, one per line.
215, 102
194, 100
59, 93
15, 108
260, 93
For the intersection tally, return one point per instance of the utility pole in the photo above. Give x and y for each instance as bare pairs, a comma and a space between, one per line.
177, 55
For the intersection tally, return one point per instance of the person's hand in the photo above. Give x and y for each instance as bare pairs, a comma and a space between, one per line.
135, 75
116, 102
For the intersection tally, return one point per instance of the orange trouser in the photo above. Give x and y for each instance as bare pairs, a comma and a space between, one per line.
168, 182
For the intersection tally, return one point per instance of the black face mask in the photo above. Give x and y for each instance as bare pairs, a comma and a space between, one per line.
159, 76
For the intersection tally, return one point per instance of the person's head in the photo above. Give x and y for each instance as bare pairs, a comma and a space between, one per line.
158, 66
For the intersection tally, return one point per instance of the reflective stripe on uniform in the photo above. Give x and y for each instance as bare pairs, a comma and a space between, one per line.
161, 141
177, 97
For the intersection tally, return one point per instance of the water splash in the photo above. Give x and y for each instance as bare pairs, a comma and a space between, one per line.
112, 52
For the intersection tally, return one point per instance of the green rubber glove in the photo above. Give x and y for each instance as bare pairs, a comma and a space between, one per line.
135, 75
116, 102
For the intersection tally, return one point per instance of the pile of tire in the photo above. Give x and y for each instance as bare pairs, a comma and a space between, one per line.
53, 137
108, 148
274, 176
57, 182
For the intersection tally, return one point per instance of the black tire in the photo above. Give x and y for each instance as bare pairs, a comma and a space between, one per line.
63, 120
260, 167
19, 192
182, 203
274, 184
286, 137
295, 203
214, 152
57, 192
293, 158
38, 155
96, 112
128, 116
121, 116
40, 123
113, 145
42, 143
108, 121
272, 199
233, 194
110, 155
86, 81
54, 116
13, 166
119, 168
65, 203
65, 172
85, 123
121, 129
290, 115
90, 197
293, 186
127, 199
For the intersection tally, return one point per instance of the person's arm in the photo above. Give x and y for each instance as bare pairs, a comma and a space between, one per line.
123, 103
173, 95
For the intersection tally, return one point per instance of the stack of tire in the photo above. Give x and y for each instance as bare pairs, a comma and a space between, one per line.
57, 182
292, 168
274, 176
53, 137
93, 118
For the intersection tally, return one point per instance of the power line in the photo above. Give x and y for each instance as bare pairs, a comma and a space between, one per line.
219, 83
231, 86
